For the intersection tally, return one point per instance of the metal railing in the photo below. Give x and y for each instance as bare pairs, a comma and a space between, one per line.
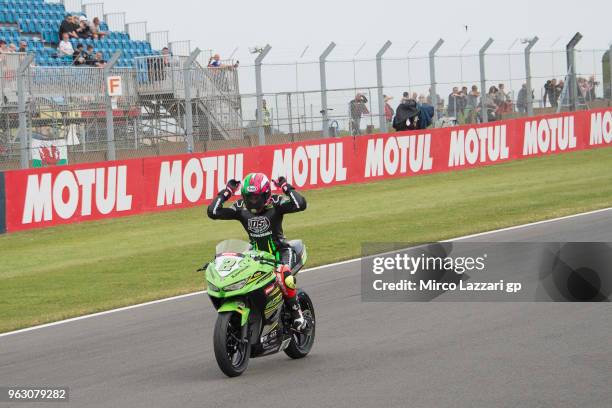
115, 21
176, 103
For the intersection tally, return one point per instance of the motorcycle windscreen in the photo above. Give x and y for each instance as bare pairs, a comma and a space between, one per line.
235, 246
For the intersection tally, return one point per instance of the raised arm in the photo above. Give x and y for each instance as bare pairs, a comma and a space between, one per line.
216, 211
295, 202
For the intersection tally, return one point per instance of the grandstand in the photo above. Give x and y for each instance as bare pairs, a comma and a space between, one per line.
68, 103
37, 22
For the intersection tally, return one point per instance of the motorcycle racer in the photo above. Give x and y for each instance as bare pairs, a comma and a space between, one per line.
261, 214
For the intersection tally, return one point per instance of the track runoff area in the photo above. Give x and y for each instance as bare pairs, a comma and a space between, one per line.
422, 353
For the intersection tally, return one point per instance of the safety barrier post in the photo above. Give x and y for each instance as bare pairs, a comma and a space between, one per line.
379, 84
610, 68
188, 108
483, 82
570, 50
530, 44
21, 107
323, 75
259, 92
432, 77
110, 129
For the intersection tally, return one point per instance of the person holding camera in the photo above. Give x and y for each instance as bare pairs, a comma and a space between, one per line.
79, 57
357, 108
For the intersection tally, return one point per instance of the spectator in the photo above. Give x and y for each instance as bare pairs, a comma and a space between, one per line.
503, 100
551, 89
3, 47
521, 100
96, 31
79, 57
461, 104
357, 108
65, 46
421, 100
406, 115
90, 55
592, 85
12, 48
453, 102
439, 100
410, 116
405, 96
84, 32
266, 118
68, 27
388, 111
23, 46
215, 62
99, 60
471, 107
490, 104
166, 56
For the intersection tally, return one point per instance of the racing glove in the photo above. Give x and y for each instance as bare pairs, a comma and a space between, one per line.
281, 183
230, 189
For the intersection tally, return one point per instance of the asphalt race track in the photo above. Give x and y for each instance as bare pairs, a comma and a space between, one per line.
366, 354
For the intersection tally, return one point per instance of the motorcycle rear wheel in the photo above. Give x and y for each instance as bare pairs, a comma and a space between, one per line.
302, 343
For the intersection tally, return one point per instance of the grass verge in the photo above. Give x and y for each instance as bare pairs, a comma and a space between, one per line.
66, 271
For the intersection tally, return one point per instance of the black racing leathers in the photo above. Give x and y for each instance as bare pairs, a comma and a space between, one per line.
265, 229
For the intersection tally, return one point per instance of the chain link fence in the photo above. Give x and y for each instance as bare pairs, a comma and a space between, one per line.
176, 103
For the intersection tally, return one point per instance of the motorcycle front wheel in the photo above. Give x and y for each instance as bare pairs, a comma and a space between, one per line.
231, 352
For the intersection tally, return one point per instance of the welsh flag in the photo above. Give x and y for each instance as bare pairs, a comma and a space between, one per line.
47, 153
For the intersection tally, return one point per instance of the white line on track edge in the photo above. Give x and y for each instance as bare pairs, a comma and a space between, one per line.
121, 309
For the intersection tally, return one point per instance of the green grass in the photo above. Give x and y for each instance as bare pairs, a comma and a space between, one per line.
61, 272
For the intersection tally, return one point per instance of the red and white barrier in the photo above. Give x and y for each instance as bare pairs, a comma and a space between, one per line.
51, 196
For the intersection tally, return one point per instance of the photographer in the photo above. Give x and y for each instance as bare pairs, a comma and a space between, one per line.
357, 108
79, 56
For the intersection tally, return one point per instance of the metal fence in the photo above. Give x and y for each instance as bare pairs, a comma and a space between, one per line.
175, 103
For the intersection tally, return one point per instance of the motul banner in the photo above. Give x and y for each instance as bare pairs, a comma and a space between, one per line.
44, 197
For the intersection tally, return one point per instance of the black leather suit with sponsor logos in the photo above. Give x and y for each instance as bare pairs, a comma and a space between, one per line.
265, 229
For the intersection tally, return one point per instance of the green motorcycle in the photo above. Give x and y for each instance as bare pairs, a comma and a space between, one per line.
253, 320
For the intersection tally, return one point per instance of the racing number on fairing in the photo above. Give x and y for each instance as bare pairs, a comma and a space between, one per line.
227, 265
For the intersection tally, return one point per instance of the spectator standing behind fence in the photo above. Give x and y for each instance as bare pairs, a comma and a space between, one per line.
12, 48
521, 100
3, 47
503, 100
266, 118
553, 90
23, 46
453, 102
65, 46
406, 115
491, 105
215, 62
388, 111
357, 108
471, 107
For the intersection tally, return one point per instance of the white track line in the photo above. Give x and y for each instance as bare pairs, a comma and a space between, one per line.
74, 319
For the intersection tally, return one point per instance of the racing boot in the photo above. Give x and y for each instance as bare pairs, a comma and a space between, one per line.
299, 323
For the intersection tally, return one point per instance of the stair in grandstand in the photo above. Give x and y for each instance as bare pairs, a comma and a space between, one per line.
215, 96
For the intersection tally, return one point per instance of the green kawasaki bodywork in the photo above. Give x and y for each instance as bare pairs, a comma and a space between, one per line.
231, 276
